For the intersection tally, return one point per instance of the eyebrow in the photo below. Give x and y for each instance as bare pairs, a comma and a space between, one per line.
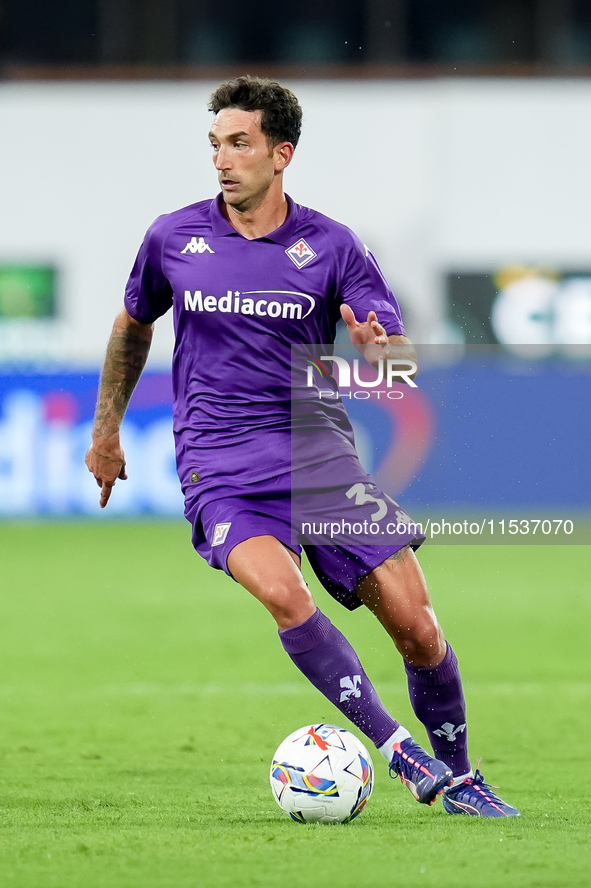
212, 135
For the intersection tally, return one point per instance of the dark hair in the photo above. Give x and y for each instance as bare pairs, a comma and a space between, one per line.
281, 119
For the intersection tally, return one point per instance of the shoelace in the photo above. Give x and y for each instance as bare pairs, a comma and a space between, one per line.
484, 789
478, 780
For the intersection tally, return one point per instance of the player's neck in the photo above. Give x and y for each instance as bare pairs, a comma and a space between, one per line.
262, 219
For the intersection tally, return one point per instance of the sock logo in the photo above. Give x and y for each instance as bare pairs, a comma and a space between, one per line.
449, 731
350, 685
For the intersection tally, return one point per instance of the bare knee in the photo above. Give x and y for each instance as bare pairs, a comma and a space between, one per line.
397, 594
421, 644
289, 603
271, 572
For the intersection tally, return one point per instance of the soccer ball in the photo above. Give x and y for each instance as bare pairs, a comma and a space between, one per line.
322, 774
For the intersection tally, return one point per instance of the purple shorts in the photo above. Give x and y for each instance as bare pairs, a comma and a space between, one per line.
345, 531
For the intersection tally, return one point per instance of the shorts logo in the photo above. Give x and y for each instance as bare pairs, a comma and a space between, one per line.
301, 253
220, 533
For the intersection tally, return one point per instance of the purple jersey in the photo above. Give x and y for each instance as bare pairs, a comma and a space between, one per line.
238, 307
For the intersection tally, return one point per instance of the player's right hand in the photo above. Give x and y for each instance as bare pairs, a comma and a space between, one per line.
106, 461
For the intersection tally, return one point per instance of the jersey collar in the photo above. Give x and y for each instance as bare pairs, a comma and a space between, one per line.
220, 226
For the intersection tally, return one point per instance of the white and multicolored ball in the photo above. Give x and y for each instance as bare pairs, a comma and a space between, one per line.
322, 774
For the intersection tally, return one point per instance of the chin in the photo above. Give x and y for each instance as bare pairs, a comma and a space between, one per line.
231, 198
237, 202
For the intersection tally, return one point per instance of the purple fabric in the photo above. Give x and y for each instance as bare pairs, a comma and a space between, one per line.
438, 701
224, 517
238, 307
328, 661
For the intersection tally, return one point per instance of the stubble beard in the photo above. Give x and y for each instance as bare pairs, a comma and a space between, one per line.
247, 203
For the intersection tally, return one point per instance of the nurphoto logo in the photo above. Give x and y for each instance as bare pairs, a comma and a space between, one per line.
391, 371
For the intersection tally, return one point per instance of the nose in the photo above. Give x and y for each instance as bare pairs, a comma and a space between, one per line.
221, 158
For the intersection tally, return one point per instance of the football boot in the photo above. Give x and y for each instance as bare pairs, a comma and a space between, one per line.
426, 777
475, 797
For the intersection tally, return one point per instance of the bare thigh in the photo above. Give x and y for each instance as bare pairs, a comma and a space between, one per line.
271, 572
396, 592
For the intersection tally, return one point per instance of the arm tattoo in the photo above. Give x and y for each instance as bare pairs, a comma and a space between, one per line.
400, 553
126, 356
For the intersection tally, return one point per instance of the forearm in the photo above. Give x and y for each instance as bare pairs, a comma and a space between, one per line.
127, 352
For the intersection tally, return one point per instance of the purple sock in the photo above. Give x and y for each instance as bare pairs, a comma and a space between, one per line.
438, 701
327, 660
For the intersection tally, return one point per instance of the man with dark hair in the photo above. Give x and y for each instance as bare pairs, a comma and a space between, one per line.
249, 275
281, 115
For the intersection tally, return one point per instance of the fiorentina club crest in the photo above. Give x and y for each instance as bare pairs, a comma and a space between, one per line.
220, 533
301, 253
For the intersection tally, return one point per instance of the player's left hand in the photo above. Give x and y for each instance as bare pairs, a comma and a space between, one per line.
368, 337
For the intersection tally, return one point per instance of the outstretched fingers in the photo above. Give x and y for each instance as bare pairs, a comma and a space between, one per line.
368, 332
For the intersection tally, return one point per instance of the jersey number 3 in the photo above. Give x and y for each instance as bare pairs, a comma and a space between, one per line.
361, 497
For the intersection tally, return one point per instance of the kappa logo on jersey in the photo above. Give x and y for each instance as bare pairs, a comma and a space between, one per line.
301, 253
197, 245
220, 532
449, 731
350, 685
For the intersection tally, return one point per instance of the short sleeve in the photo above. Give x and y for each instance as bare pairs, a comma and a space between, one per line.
364, 288
148, 293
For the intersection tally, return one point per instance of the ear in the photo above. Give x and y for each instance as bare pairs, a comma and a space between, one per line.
283, 154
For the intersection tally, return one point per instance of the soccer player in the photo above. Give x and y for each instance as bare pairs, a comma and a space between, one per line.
248, 275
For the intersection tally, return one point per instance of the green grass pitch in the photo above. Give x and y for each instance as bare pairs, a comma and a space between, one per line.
142, 696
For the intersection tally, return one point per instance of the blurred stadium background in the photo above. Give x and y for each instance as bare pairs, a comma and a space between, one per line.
455, 141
